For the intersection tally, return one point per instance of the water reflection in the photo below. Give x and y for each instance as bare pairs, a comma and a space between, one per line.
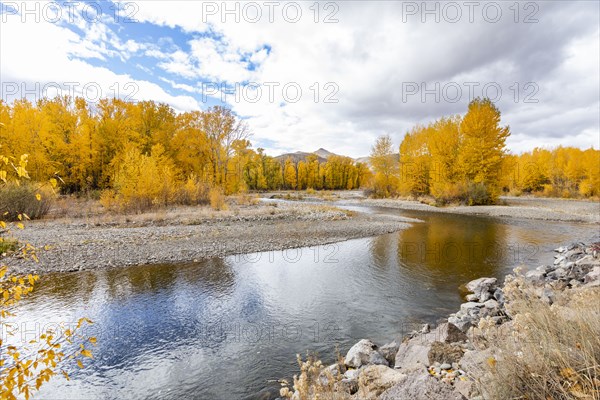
222, 328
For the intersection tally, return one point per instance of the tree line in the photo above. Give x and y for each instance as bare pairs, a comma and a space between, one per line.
144, 154
465, 159
147, 153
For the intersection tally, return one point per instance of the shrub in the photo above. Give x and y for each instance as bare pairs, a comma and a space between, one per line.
217, 199
476, 194
22, 198
193, 192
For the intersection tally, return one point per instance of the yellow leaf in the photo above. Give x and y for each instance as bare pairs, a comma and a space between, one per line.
20, 226
66, 375
86, 353
79, 363
93, 340
53, 182
38, 197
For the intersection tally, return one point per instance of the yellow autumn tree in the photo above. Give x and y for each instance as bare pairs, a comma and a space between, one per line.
482, 151
385, 167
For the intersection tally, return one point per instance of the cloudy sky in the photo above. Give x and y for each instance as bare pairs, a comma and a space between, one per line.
326, 74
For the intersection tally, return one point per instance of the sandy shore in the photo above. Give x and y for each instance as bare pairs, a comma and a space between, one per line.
190, 234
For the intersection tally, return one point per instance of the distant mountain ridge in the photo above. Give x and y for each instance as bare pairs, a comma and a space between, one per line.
322, 155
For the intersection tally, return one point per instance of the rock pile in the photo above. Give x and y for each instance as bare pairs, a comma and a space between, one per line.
436, 364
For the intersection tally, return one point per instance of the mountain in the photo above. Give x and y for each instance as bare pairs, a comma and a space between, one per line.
297, 157
322, 155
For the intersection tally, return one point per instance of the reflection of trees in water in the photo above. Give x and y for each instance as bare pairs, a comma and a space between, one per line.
456, 245
66, 286
213, 275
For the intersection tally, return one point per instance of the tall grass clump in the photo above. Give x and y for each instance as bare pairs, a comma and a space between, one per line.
553, 351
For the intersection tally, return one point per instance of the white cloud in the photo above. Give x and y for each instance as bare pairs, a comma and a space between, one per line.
371, 54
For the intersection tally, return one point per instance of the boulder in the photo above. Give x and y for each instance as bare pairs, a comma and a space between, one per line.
593, 275
473, 362
462, 322
448, 333
364, 353
376, 379
482, 288
421, 386
413, 354
389, 351
351, 374
535, 276
465, 387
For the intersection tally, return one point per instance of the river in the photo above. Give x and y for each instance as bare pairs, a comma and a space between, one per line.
227, 328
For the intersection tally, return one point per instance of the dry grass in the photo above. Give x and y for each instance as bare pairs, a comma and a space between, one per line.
75, 211
316, 382
552, 352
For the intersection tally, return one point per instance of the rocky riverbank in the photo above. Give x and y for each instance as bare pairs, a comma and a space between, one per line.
537, 333
522, 208
189, 235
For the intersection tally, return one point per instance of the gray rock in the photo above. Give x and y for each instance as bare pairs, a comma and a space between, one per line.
461, 323
472, 297
376, 379
547, 296
445, 366
593, 275
482, 288
447, 333
535, 276
362, 353
388, 351
479, 283
412, 354
377, 359
558, 273
544, 268
349, 386
492, 304
351, 374
587, 260
466, 387
592, 284
421, 386
469, 306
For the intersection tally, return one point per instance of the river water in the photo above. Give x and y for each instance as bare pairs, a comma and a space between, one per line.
227, 328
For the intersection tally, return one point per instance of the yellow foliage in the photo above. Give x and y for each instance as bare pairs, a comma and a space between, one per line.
25, 368
217, 199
